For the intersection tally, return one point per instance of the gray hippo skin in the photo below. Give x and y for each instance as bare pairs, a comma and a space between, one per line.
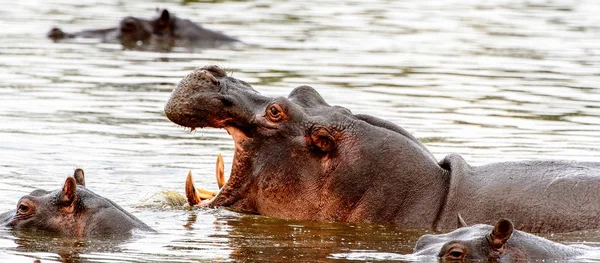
498, 243
71, 211
300, 158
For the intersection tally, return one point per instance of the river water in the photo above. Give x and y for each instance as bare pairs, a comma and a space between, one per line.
490, 80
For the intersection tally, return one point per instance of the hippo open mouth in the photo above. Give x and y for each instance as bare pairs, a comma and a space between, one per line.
295, 157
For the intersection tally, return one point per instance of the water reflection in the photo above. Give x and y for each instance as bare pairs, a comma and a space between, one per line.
274, 240
64, 249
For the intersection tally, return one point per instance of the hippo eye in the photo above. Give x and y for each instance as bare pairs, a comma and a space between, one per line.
275, 113
23, 209
455, 254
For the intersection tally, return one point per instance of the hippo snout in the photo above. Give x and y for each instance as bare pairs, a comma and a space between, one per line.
207, 97
198, 89
56, 33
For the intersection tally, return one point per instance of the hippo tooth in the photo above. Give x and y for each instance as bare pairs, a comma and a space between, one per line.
190, 191
195, 195
220, 171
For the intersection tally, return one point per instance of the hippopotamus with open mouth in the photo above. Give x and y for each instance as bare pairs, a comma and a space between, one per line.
71, 211
301, 158
498, 243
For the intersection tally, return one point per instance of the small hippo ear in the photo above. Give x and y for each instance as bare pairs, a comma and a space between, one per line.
460, 222
501, 233
79, 177
164, 15
69, 192
322, 139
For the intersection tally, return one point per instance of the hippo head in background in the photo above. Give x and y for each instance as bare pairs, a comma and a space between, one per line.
71, 211
134, 32
499, 243
297, 157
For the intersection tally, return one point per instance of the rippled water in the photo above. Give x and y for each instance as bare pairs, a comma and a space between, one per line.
491, 80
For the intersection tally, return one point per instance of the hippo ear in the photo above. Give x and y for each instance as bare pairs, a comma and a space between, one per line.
79, 177
164, 15
460, 222
69, 192
322, 139
501, 233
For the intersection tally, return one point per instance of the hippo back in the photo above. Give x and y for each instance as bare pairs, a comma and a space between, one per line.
538, 196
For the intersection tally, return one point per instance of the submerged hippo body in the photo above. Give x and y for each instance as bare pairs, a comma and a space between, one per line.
71, 211
163, 31
300, 158
498, 243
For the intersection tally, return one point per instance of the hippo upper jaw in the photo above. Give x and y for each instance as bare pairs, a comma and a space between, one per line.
209, 98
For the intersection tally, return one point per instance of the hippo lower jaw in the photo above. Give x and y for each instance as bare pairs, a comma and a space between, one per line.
228, 195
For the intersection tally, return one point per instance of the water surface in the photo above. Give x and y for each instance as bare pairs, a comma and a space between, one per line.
491, 80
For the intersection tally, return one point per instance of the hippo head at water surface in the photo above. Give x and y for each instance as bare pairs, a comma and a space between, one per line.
161, 32
133, 32
71, 211
499, 243
301, 158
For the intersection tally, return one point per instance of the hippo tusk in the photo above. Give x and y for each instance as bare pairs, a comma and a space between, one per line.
204, 196
220, 171
190, 191
202, 193
196, 195
460, 222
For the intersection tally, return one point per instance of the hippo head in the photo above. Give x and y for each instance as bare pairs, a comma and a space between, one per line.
70, 211
299, 157
477, 242
134, 31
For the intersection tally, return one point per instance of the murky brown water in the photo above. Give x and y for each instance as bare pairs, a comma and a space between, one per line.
491, 80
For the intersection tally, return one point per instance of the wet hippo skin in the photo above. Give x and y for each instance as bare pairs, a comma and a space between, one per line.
71, 211
498, 243
298, 157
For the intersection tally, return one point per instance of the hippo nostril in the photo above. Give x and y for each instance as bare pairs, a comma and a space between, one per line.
207, 75
215, 71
